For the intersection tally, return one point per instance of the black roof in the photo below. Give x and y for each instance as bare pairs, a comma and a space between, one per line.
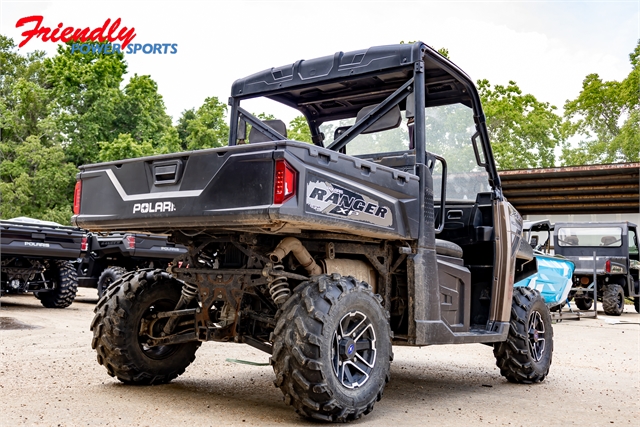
338, 86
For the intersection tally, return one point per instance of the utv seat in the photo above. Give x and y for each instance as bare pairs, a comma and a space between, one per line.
608, 240
446, 248
256, 136
571, 240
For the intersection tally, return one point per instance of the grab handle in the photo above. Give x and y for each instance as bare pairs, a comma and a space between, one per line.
167, 172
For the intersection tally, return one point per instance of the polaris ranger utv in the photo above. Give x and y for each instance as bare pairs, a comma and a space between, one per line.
324, 255
38, 256
106, 257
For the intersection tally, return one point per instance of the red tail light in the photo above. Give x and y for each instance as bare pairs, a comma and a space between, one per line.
131, 242
76, 198
285, 182
607, 266
84, 244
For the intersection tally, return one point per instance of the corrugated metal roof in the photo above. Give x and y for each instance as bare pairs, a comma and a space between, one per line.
590, 189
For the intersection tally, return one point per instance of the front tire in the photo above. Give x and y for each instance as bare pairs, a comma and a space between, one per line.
117, 322
584, 303
65, 278
332, 349
613, 300
108, 276
636, 304
525, 357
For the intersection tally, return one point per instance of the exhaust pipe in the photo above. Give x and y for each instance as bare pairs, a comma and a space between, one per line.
293, 245
345, 267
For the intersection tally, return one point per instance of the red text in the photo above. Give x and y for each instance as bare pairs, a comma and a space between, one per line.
99, 34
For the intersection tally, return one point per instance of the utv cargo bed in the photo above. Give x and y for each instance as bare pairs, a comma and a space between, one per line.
233, 188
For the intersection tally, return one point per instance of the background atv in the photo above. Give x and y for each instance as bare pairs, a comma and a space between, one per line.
39, 257
616, 247
325, 254
106, 257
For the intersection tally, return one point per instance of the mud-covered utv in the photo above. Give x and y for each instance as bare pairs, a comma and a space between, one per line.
390, 228
616, 264
39, 257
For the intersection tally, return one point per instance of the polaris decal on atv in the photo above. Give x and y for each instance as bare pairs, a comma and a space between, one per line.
37, 244
154, 207
337, 201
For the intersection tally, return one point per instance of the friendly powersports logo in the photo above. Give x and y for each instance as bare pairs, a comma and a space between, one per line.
108, 38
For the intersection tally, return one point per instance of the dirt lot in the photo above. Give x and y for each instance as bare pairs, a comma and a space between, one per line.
49, 376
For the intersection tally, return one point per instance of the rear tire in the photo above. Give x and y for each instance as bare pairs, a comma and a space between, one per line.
584, 303
116, 325
332, 349
636, 304
108, 276
613, 300
65, 278
525, 357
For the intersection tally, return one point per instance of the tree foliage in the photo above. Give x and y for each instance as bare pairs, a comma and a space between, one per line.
142, 112
524, 132
86, 97
208, 129
37, 182
298, 130
606, 116
124, 147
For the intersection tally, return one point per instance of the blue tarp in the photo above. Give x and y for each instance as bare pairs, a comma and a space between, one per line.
553, 279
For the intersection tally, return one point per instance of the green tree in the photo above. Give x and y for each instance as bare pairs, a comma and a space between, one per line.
606, 116
298, 130
24, 97
183, 124
169, 142
209, 128
141, 112
444, 52
524, 132
86, 93
37, 183
124, 147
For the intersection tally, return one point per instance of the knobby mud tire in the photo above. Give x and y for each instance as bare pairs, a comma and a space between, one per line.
515, 356
302, 348
116, 326
65, 276
613, 300
108, 276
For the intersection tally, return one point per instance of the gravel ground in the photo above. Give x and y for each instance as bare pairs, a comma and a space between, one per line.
49, 376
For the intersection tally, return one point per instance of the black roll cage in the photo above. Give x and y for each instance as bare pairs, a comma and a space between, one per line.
414, 84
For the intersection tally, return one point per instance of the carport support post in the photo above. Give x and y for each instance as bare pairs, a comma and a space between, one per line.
595, 286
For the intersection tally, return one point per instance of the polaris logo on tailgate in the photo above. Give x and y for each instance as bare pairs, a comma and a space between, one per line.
154, 207
36, 244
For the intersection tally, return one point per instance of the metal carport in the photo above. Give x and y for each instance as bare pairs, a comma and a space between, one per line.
612, 188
